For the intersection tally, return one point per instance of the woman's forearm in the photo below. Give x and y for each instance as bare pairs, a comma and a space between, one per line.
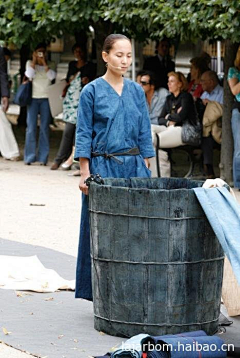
84, 166
235, 88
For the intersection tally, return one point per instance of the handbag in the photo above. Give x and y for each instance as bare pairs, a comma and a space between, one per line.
192, 133
23, 96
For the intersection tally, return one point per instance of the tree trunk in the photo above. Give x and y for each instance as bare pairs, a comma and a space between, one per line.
227, 140
102, 30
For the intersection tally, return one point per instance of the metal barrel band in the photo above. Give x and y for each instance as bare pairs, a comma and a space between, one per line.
156, 324
144, 216
158, 263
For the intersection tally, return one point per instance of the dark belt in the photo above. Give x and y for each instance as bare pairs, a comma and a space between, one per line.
132, 151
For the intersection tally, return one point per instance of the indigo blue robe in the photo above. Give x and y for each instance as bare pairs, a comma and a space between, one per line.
109, 123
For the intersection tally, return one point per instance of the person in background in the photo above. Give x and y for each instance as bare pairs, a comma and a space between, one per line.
161, 64
80, 72
4, 86
212, 100
139, 75
155, 96
198, 67
8, 144
41, 73
234, 84
80, 63
113, 138
204, 56
178, 109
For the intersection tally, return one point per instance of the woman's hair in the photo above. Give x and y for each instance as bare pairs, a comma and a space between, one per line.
237, 59
200, 64
204, 55
111, 39
181, 78
40, 45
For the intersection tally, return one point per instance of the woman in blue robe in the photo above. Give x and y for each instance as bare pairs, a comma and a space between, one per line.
112, 119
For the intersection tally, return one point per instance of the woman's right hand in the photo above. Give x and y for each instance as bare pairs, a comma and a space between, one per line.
85, 173
82, 184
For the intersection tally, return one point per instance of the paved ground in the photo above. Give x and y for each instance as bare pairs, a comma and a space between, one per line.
53, 220
47, 225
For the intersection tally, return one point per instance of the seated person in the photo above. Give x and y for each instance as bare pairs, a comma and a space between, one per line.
198, 67
212, 100
155, 96
161, 64
178, 109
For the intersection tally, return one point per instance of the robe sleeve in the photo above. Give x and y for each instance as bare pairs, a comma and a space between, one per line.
84, 128
145, 135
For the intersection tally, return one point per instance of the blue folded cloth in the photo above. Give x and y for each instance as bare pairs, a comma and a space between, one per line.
131, 348
155, 339
189, 347
223, 213
195, 344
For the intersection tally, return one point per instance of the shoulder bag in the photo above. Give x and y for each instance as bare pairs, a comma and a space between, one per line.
192, 133
23, 97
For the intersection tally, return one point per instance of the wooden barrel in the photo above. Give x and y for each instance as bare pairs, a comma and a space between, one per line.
157, 265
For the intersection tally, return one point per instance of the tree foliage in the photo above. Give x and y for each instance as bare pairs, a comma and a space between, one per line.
189, 19
27, 20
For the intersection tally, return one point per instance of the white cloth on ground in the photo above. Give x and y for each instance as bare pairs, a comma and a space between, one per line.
8, 144
29, 274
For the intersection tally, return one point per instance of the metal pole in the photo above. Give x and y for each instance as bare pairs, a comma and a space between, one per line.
133, 61
219, 57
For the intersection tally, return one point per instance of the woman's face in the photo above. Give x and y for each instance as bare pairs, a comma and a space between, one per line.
194, 72
119, 57
78, 53
40, 53
174, 85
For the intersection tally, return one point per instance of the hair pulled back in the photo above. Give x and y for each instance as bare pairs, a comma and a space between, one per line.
111, 39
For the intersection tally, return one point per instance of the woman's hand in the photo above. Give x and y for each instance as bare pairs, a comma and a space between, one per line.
82, 185
85, 173
205, 101
171, 123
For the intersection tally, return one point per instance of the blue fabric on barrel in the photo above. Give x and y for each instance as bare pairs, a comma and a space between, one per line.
223, 213
189, 347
